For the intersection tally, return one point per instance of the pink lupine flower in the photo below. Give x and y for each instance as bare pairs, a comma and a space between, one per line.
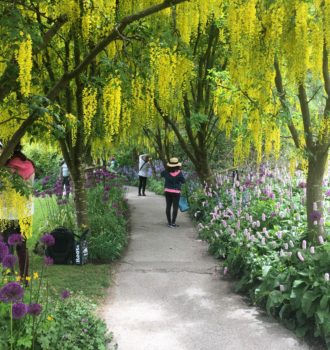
238, 225
263, 217
300, 256
258, 223
304, 244
312, 250
327, 276
321, 239
224, 223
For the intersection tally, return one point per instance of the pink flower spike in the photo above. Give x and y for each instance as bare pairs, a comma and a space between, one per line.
321, 240
300, 256
304, 244
263, 217
312, 250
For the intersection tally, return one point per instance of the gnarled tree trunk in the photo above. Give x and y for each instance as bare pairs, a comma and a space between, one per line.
314, 202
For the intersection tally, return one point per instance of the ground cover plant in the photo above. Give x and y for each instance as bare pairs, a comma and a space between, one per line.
31, 318
257, 224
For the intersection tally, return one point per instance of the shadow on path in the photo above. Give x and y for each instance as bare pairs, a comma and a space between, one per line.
168, 293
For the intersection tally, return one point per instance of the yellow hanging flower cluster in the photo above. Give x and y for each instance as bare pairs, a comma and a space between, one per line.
172, 74
24, 59
112, 106
71, 121
89, 108
193, 16
14, 206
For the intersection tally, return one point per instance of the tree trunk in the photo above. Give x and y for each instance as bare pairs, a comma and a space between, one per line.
314, 202
203, 169
80, 198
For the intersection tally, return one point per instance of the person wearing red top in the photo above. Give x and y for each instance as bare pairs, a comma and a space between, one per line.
25, 168
173, 181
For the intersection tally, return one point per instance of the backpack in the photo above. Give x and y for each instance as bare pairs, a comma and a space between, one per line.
62, 251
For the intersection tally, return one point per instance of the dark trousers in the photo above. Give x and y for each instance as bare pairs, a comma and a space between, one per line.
172, 201
142, 184
21, 250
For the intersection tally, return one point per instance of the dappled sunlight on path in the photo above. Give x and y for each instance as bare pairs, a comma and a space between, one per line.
169, 295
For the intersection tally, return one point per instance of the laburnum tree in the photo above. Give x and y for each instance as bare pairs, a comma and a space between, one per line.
171, 94
278, 75
48, 69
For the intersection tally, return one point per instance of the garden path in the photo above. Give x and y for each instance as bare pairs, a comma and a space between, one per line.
169, 293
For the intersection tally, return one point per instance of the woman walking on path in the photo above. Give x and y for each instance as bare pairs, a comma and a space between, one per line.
144, 169
173, 181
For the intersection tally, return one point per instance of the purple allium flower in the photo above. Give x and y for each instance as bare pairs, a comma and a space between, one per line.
15, 239
19, 310
34, 309
302, 184
327, 193
48, 260
3, 250
65, 294
315, 215
11, 292
47, 239
9, 261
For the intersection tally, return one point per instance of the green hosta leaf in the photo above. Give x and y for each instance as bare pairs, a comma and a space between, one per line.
307, 302
324, 303
275, 298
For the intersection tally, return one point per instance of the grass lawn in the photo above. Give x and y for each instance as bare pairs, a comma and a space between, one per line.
92, 280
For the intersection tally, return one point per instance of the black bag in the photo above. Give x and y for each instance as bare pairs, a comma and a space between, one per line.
63, 249
67, 249
81, 250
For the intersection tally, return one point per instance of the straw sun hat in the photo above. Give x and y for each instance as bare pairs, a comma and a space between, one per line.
173, 162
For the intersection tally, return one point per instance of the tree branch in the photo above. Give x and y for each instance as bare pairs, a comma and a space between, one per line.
281, 94
305, 115
65, 79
